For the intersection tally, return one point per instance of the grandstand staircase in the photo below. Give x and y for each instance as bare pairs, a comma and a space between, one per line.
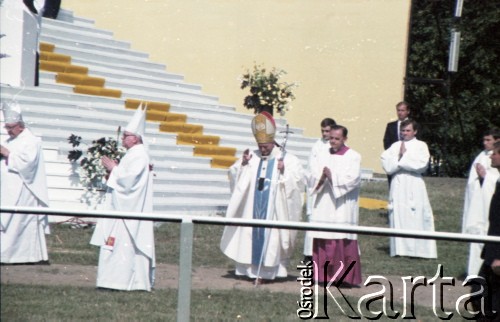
89, 85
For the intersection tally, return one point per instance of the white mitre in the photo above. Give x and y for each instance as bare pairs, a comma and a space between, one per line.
137, 124
11, 112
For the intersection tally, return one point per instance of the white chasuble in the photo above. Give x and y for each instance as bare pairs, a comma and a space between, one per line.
336, 201
284, 203
477, 205
23, 183
409, 206
127, 256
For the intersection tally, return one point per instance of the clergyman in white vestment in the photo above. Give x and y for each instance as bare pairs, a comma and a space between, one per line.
478, 193
335, 182
409, 206
127, 249
320, 147
23, 183
263, 187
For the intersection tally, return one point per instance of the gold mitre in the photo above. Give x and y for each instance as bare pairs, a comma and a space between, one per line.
263, 128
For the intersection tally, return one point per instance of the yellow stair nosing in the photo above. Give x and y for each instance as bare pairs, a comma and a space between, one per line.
222, 163
45, 46
133, 103
214, 150
181, 127
192, 139
97, 91
79, 79
61, 67
50, 56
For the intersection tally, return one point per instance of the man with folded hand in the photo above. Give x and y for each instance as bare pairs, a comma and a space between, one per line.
409, 206
127, 248
334, 181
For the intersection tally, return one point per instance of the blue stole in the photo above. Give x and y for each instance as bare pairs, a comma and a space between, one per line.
260, 203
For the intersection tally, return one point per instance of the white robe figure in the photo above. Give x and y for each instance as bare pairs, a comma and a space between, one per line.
409, 206
127, 255
23, 183
336, 202
236, 242
476, 207
320, 147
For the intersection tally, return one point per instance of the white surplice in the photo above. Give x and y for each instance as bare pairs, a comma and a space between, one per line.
23, 183
320, 147
409, 206
336, 201
476, 207
127, 255
236, 242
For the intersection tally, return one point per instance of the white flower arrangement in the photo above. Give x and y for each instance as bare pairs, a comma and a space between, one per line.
266, 90
92, 172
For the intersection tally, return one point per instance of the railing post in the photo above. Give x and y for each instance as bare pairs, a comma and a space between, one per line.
185, 269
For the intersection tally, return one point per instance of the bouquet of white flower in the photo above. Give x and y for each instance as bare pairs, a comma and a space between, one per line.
92, 172
267, 93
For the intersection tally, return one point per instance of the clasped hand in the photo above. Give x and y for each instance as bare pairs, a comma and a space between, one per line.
481, 171
402, 150
4, 151
327, 174
108, 163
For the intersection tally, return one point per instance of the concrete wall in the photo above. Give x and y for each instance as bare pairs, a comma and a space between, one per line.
347, 55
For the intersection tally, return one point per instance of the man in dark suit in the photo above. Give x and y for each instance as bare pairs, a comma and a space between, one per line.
490, 270
392, 131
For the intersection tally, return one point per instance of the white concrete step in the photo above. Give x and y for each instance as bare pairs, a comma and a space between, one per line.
122, 49
121, 59
186, 100
67, 16
131, 88
71, 30
50, 153
165, 79
160, 196
60, 166
160, 73
61, 93
186, 185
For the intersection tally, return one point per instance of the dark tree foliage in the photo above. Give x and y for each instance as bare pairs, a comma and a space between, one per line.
454, 109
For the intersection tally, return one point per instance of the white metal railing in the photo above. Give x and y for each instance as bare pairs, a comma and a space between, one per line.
186, 237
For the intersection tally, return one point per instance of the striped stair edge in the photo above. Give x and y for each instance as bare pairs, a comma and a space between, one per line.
66, 73
187, 134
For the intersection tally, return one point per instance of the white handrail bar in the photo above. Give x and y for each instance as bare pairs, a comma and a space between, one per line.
295, 225
187, 222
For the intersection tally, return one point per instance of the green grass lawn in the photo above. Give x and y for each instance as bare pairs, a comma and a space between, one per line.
67, 303
71, 246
